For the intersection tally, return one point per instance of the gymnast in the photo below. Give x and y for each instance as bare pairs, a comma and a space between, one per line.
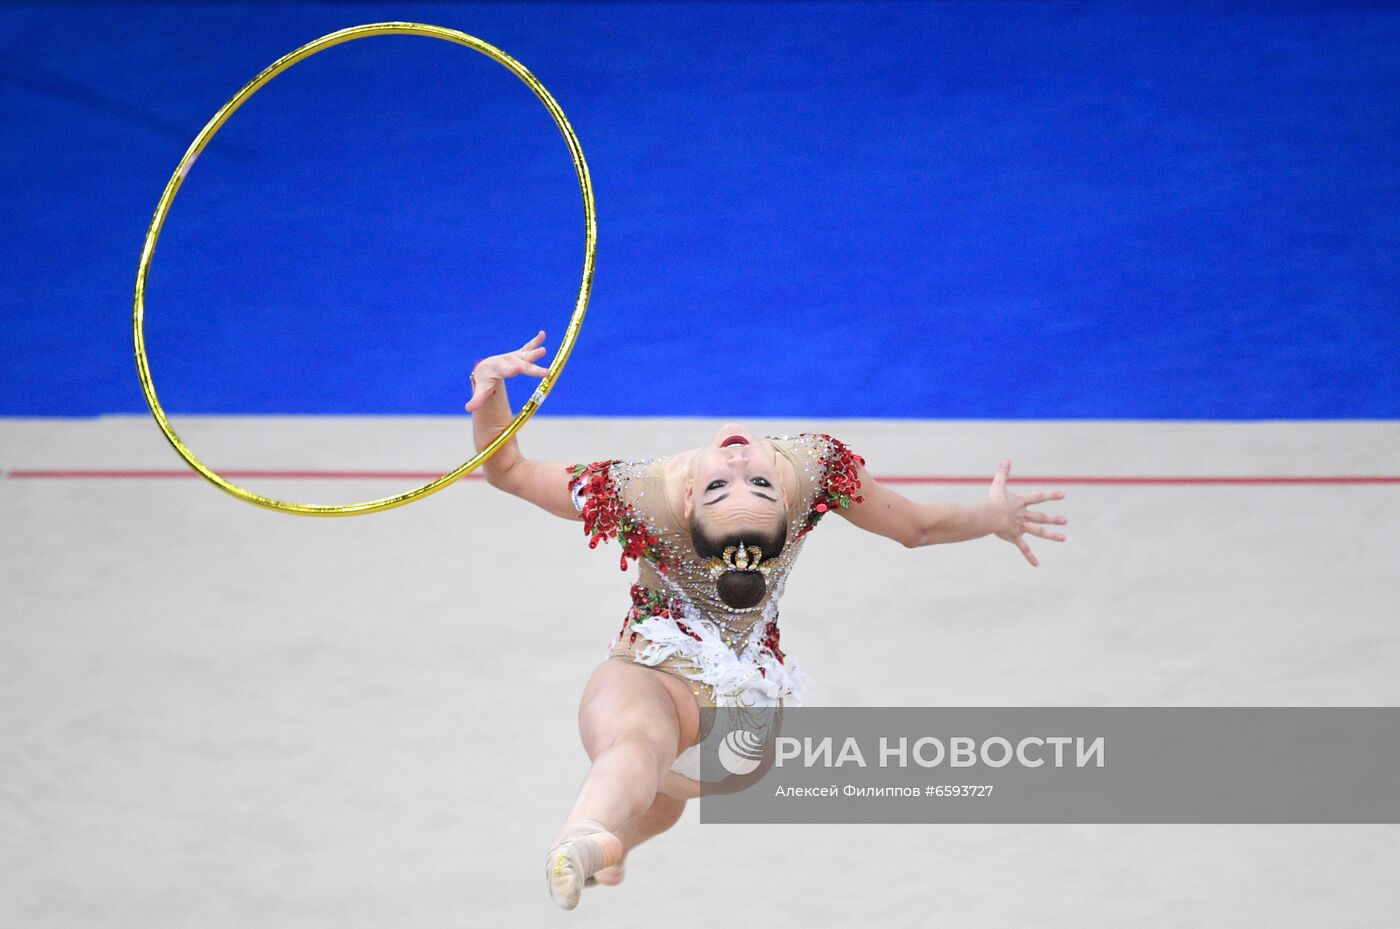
714, 531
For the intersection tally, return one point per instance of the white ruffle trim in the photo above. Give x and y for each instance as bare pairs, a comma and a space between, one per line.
751, 677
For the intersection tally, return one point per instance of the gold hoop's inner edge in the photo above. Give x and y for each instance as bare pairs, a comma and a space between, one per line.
203, 139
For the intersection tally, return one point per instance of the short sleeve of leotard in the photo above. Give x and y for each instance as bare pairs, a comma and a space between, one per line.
828, 474
605, 494
586, 480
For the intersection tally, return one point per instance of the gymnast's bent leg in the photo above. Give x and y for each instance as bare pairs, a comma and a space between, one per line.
663, 813
633, 721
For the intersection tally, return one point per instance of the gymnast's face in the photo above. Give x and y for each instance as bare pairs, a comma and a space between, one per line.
734, 483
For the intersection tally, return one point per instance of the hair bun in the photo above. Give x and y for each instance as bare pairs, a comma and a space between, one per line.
741, 589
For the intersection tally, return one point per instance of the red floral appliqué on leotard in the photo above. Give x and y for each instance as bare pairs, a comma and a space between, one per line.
838, 484
606, 516
770, 641
647, 603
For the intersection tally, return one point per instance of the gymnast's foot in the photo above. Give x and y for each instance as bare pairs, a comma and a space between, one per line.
608, 877
581, 850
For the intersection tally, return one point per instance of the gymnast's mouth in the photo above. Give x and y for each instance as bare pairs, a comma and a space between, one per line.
734, 440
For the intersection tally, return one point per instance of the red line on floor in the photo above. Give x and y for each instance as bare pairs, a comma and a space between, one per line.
1067, 479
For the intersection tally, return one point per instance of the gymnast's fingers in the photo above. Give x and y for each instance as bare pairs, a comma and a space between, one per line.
539, 337
1034, 516
1042, 496
522, 357
998, 488
1026, 550
1045, 533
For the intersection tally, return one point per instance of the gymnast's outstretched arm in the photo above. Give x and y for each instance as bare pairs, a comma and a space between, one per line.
1005, 515
545, 484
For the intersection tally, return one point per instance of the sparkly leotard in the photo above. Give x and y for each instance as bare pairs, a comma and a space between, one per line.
677, 623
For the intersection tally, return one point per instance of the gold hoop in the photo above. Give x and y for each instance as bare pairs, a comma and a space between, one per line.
207, 133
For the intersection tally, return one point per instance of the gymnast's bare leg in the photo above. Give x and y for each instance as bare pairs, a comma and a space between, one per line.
663, 813
634, 721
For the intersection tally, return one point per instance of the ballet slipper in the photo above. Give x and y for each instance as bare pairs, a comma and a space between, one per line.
581, 849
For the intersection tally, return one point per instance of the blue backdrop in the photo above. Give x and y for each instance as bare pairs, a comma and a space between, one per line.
1146, 210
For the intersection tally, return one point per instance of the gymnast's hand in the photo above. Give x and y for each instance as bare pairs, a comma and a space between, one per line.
1014, 516
494, 369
